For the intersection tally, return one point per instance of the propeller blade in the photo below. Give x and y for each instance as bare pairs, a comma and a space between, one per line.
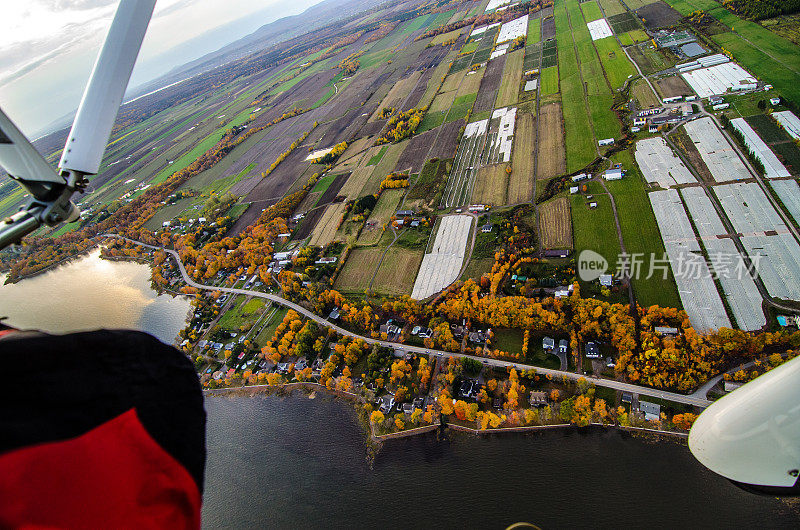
20, 159
97, 112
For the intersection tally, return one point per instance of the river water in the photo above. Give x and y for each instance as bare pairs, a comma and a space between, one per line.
300, 463
90, 293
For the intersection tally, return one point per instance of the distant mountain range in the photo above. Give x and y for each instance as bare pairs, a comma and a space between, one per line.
315, 17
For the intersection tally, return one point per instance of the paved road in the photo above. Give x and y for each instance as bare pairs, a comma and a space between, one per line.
608, 383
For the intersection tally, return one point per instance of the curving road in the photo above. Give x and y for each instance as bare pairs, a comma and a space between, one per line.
695, 400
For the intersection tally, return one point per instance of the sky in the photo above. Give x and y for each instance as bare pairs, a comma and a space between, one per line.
48, 47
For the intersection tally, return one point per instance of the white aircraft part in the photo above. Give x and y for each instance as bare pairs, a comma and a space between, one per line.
98, 109
20, 159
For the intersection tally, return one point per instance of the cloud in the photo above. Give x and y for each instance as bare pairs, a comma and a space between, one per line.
64, 5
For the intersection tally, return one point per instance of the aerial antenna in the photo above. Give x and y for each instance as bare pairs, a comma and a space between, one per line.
52, 191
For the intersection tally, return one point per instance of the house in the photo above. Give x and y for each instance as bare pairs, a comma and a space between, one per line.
635, 129
775, 101
548, 343
715, 100
579, 177
721, 106
326, 261
613, 174
386, 403
487, 228
638, 122
673, 99
652, 411
573, 190
408, 408
561, 293
334, 314
592, 350
592, 205
663, 330
405, 213
283, 368
537, 399
556, 253
605, 141
478, 208
563, 346
627, 397
606, 280
301, 364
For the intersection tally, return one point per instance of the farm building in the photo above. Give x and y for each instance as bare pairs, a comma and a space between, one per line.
556, 253
652, 411
613, 174
605, 141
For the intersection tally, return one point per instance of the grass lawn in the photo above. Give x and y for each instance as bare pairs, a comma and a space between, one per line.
269, 331
507, 340
594, 229
640, 232
241, 313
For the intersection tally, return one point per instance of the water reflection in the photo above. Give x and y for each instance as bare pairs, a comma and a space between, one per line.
91, 293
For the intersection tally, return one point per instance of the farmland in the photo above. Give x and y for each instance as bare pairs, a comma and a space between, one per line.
522, 181
480, 137
550, 158
555, 225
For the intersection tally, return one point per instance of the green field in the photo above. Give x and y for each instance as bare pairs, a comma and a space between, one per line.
431, 120
469, 47
640, 233
461, 106
548, 81
580, 142
594, 229
534, 30
591, 11
614, 60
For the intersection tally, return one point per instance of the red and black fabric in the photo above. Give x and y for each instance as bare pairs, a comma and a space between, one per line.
98, 430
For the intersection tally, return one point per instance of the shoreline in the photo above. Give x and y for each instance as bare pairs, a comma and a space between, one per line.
287, 389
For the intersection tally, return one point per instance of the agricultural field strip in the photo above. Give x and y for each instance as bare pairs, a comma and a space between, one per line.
660, 165
556, 224
442, 265
740, 289
513, 29
499, 51
716, 80
482, 29
494, 4
696, 287
766, 239
465, 166
789, 122
772, 166
722, 161
599, 29
505, 133
789, 193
